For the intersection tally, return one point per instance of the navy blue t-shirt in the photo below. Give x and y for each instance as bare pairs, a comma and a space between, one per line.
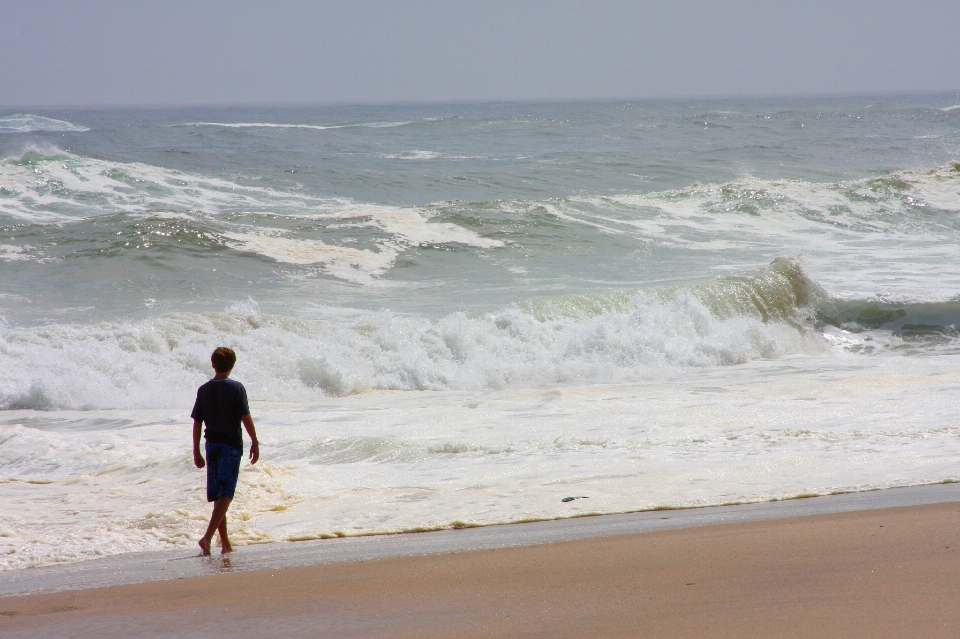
220, 405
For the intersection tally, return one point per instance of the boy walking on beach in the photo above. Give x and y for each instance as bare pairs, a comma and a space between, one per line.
222, 405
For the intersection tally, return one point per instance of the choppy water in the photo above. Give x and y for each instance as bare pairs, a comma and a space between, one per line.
464, 313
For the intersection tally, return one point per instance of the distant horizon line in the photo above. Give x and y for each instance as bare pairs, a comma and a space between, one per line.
453, 102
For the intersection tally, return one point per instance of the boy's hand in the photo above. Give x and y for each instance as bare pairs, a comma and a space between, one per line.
198, 458
254, 452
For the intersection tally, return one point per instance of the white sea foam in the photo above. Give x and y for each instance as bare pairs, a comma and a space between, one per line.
51, 185
895, 214
414, 155
12, 253
907, 218
417, 154
791, 208
412, 225
156, 363
405, 226
317, 127
108, 474
55, 186
608, 338
76, 486
346, 263
28, 122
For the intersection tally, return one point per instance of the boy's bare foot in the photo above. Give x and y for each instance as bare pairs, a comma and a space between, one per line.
204, 546
225, 547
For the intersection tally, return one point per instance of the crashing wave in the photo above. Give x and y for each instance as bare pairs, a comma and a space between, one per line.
573, 339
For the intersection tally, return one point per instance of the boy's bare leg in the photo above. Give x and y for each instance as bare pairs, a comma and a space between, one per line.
218, 517
225, 546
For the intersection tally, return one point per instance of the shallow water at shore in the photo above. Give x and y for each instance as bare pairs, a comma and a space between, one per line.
95, 483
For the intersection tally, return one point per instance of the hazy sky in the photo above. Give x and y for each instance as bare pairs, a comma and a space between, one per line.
95, 52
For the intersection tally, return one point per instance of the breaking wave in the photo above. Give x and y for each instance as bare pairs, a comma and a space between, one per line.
766, 313
28, 123
180, 209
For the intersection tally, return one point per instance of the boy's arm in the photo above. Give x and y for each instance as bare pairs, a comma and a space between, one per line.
197, 457
254, 443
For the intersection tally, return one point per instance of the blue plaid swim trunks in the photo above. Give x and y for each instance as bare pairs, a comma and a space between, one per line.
223, 468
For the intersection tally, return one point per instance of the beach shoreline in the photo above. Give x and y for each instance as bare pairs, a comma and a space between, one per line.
843, 568
474, 314
184, 562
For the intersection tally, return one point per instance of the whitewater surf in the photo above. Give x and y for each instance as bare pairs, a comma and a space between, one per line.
452, 315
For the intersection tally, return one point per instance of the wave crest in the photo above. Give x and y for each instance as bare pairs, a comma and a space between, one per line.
158, 363
28, 123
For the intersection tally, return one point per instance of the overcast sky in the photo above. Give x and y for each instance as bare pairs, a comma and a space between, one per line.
139, 52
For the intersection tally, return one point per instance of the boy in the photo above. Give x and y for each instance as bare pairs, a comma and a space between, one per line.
222, 404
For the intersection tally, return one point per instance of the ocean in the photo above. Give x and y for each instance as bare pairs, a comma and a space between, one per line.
465, 314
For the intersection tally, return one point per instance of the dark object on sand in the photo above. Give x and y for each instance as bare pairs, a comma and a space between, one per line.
565, 499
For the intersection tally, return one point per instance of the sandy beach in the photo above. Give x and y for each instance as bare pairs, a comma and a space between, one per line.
877, 573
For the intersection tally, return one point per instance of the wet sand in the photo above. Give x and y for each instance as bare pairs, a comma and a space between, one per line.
879, 573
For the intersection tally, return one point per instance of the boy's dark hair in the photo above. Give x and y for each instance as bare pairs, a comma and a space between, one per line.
223, 359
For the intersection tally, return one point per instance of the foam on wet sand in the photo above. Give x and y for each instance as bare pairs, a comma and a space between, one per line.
846, 572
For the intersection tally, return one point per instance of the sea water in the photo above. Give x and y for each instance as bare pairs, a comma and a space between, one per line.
457, 315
